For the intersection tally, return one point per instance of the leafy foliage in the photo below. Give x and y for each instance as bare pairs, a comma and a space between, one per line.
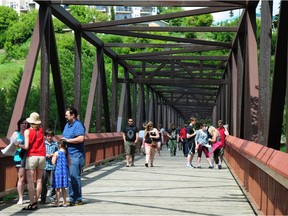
175, 21
85, 14
19, 33
200, 20
7, 17
58, 26
3, 109
17, 39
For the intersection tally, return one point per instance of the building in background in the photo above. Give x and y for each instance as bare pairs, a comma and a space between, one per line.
126, 12
20, 5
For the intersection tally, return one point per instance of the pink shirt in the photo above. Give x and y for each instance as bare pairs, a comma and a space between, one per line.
222, 135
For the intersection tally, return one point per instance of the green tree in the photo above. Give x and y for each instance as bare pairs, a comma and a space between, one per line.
199, 20
3, 110
19, 33
174, 21
58, 26
8, 16
85, 14
112, 11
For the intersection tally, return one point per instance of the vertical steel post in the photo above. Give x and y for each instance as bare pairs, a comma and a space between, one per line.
265, 65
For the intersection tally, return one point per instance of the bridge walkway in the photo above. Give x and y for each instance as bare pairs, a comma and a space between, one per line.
168, 188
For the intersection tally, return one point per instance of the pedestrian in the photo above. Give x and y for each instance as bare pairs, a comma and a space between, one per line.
182, 139
130, 137
215, 140
173, 139
140, 141
61, 160
74, 134
201, 141
159, 141
51, 148
162, 133
219, 153
35, 158
190, 141
179, 144
151, 134
18, 138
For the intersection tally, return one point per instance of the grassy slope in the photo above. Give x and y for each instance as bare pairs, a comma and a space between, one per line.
8, 71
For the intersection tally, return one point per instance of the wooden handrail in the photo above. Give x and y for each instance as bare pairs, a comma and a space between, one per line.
262, 172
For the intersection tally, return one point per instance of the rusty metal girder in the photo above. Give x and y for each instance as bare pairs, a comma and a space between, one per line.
182, 77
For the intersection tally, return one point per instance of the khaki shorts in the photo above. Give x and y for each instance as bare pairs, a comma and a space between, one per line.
130, 148
35, 162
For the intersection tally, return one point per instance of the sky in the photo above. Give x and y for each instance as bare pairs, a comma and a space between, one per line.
222, 16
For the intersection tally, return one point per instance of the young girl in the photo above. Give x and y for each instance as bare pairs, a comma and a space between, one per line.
61, 161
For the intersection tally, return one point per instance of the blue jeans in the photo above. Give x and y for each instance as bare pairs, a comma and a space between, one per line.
75, 187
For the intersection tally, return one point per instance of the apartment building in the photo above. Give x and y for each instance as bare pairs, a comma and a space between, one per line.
20, 5
121, 12
124, 12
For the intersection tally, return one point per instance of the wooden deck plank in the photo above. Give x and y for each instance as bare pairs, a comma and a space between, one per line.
169, 188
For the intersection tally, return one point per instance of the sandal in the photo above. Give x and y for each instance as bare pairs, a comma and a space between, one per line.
31, 207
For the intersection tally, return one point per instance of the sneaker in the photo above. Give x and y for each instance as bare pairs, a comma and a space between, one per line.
219, 166
189, 165
52, 200
199, 167
208, 146
146, 164
71, 203
77, 203
20, 202
211, 167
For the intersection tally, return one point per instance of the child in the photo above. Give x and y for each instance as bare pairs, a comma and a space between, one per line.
51, 148
61, 160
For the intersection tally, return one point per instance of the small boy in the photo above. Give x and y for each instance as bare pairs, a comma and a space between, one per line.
51, 148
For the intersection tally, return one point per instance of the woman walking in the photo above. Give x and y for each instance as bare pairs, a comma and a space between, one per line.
151, 135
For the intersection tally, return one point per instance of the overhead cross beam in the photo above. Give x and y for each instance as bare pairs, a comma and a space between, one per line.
176, 69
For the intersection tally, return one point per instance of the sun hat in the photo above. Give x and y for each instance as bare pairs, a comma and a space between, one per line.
34, 118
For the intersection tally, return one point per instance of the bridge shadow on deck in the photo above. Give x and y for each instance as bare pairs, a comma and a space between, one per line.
169, 188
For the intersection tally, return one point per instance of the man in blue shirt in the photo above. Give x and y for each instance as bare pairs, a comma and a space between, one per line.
74, 134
